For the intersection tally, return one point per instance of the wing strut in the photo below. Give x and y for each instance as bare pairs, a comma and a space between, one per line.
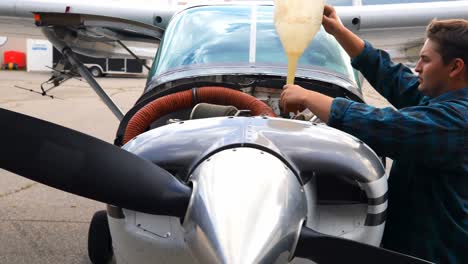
82, 70
73, 59
134, 55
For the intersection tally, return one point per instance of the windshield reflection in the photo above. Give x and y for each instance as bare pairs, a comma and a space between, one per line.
221, 35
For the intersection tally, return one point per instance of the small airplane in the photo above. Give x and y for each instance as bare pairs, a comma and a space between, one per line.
206, 167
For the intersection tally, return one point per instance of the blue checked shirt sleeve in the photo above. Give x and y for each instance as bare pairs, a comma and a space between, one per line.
395, 82
428, 134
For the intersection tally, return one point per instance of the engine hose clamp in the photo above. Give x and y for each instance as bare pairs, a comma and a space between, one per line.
194, 96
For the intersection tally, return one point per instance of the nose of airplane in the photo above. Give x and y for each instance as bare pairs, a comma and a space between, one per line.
247, 206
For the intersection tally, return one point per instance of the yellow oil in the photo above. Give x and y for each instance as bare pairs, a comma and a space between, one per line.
297, 22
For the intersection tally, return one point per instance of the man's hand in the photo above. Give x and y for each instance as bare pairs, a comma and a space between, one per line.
347, 39
293, 95
318, 103
330, 21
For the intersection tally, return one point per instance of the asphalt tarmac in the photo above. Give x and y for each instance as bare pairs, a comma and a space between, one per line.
40, 224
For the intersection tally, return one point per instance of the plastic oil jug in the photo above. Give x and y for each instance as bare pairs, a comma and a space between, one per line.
297, 22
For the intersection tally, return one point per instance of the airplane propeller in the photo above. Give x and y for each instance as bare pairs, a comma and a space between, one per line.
325, 249
80, 164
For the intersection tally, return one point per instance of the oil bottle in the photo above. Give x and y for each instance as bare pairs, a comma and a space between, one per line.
297, 22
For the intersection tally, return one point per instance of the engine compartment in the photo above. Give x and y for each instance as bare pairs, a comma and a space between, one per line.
265, 88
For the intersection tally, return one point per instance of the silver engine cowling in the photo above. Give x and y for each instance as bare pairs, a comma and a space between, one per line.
224, 223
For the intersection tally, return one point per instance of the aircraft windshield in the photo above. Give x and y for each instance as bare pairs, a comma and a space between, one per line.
240, 35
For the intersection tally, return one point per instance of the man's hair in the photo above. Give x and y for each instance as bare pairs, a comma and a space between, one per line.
451, 35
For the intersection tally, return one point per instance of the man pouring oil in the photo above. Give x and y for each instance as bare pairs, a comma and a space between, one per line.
426, 135
296, 22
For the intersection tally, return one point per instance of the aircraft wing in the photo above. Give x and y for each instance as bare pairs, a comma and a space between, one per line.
146, 12
93, 28
399, 28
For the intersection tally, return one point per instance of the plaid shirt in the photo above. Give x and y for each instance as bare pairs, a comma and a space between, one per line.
427, 139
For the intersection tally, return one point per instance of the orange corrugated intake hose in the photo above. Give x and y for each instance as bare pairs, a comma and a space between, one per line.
183, 100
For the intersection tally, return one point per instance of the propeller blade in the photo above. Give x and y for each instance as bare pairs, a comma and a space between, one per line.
325, 249
80, 164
